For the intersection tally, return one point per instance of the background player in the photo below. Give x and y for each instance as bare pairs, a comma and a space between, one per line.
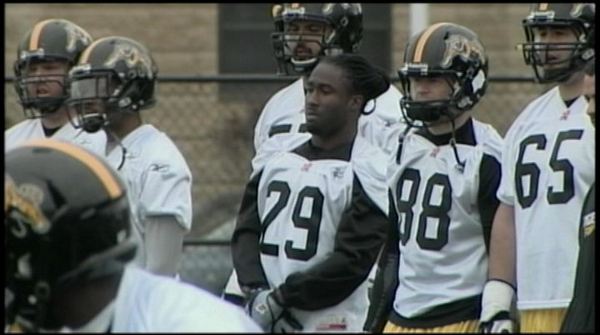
44, 57
67, 249
303, 32
581, 314
114, 80
443, 184
548, 165
313, 216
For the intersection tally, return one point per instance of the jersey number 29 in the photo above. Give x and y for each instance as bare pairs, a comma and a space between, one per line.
311, 223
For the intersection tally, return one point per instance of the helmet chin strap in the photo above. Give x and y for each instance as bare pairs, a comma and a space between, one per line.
120, 144
303, 66
460, 164
40, 112
50, 110
92, 123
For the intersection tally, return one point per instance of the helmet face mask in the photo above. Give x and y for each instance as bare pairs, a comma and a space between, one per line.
342, 33
58, 235
49, 43
569, 43
430, 110
447, 51
115, 76
94, 100
45, 92
303, 42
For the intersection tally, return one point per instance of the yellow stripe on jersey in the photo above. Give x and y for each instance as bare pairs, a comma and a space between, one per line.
100, 170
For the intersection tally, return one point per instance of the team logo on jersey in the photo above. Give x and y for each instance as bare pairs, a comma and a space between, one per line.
589, 223
434, 152
159, 167
306, 167
338, 172
565, 115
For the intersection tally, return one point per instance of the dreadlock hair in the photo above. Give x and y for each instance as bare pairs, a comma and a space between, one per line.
366, 79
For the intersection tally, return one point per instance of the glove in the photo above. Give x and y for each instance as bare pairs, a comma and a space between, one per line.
496, 304
268, 313
287, 323
264, 310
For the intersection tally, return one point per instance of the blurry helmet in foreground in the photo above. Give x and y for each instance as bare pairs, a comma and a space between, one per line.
66, 221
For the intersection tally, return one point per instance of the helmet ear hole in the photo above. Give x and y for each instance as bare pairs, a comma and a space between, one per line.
344, 22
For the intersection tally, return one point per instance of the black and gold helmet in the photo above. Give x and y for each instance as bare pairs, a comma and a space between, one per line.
579, 17
345, 36
118, 73
66, 221
49, 40
452, 51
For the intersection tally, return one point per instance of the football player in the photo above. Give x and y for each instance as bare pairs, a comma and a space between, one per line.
44, 57
67, 248
113, 81
581, 314
303, 32
442, 189
548, 165
313, 215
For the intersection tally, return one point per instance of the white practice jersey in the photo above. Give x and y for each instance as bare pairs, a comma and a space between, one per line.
159, 181
30, 129
548, 164
149, 303
294, 189
284, 113
443, 257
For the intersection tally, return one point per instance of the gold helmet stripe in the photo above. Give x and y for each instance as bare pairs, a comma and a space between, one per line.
86, 53
423, 41
34, 40
100, 170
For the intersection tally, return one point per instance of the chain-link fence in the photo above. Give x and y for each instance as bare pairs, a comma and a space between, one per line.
211, 119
